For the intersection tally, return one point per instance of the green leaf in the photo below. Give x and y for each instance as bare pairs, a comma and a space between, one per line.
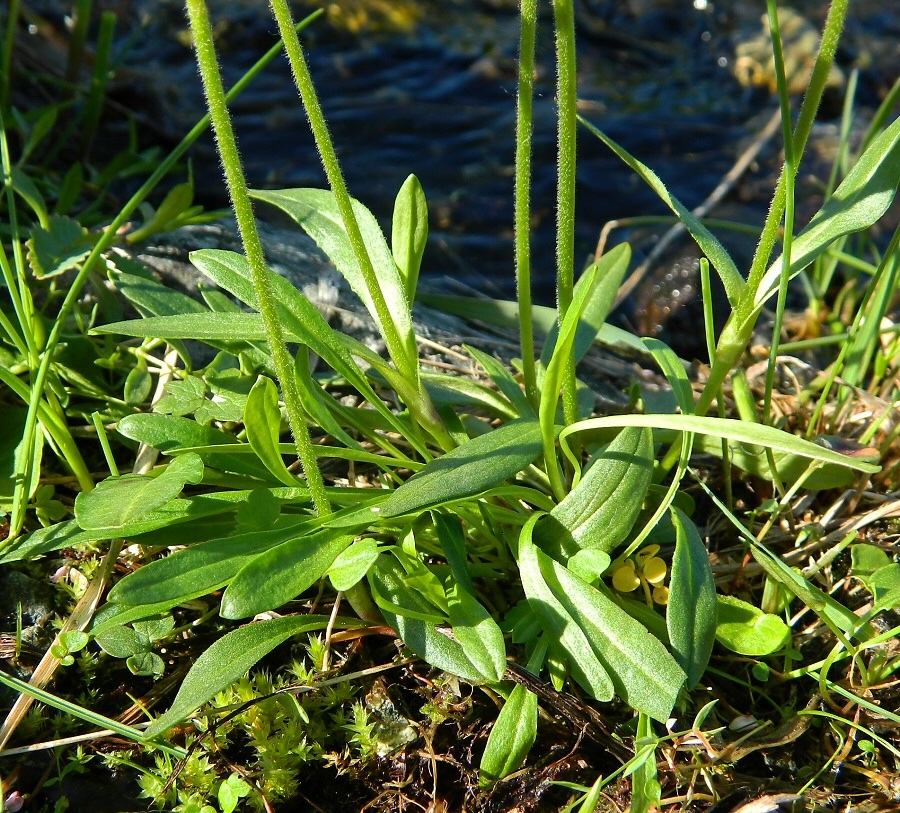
409, 233
138, 385
600, 511
170, 433
583, 662
262, 420
504, 381
120, 642
747, 630
885, 586
610, 271
317, 213
120, 502
275, 577
860, 200
589, 564
467, 470
453, 543
58, 249
512, 735
477, 632
673, 369
691, 611
387, 579
643, 672
351, 565
731, 278
298, 316
229, 659
206, 326
231, 791
733, 430
201, 568
865, 560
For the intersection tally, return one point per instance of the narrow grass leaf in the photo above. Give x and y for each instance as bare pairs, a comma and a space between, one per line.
316, 212
733, 430
467, 470
118, 502
860, 200
409, 233
691, 611
731, 278
262, 420
280, 574
230, 658
512, 735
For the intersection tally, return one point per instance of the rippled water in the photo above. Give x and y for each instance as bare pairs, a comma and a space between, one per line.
438, 100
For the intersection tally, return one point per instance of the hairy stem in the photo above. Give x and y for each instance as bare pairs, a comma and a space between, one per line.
243, 210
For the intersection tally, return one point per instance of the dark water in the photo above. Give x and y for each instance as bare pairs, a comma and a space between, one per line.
438, 100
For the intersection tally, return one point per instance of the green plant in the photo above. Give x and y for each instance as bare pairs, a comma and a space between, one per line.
514, 485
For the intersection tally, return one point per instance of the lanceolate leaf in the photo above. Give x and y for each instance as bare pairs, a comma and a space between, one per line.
691, 611
643, 672
230, 658
583, 662
118, 502
388, 580
298, 316
280, 574
468, 470
316, 211
600, 511
860, 200
611, 270
262, 420
409, 233
512, 735
203, 567
477, 632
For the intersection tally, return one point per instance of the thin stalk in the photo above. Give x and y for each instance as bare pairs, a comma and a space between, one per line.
405, 357
736, 333
106, 240
243, 211
566, 99
9, 39
524, 131
99, 81
789, 175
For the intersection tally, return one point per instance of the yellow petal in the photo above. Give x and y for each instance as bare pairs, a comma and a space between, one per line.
625, 579
646, 552
661, 595
654, 570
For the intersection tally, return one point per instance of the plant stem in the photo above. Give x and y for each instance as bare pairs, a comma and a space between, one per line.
566, 98
736, 333
524, 131
789, 175
404, 355
243, 210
